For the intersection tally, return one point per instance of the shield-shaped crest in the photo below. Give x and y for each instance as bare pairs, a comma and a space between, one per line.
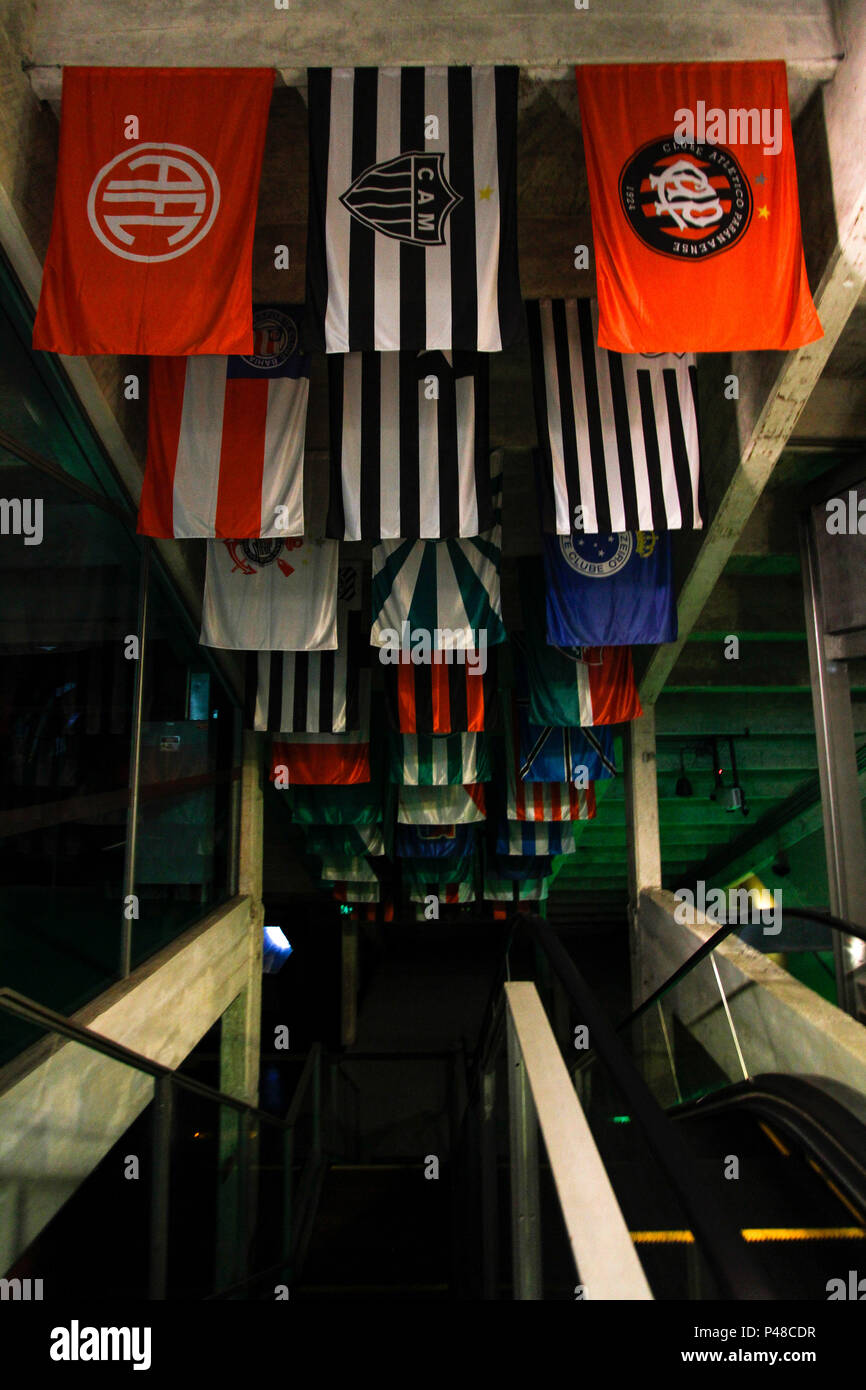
408, 198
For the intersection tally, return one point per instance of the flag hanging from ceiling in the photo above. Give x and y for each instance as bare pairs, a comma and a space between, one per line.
431, 596
506, 890
225, 439
550, 753
451, 870
535, 838
354, 892
447, 893
438, 760
695, 211
270, 595
346, 868
540, 801
613, 590
522, 866
584, 687
152, 238
412, 231
410, 445
440, 805
329, 840
619, 439
434, 841
315, 692
444, 697
357, 805
322, 759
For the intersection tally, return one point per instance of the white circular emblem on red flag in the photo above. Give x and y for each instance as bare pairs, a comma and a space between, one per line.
153, 202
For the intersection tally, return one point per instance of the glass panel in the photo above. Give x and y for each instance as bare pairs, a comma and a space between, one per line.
184, 848
67, 605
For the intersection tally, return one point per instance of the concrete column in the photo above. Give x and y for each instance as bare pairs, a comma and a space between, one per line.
644, 871
240, 1039
642, 827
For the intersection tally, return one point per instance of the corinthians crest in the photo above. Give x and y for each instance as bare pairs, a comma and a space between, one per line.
408, 198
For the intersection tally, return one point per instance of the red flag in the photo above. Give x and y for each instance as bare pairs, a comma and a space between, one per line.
157, 184
319, 760
695, 214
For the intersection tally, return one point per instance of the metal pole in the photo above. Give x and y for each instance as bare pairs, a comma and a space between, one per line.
163, 1097
134, 763
837, 770
525, 1196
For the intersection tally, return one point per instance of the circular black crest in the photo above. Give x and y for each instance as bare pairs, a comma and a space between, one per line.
687, 201
261, 552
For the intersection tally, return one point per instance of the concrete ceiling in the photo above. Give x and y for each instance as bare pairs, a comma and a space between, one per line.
766, 691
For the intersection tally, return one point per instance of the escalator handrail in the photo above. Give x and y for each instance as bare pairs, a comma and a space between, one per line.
810, 914
715, 1228
819, 1120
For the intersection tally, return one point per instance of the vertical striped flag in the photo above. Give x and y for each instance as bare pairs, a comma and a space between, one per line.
413, 209
618, 434
410, 445
438, 760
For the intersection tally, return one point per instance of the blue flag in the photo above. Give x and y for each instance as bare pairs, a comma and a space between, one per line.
609, 590
552, 754
434, 841
521, 866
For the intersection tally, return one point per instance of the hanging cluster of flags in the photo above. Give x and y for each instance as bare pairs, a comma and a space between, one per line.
380, 683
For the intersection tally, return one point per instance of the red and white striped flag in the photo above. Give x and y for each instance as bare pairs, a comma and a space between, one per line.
225, 447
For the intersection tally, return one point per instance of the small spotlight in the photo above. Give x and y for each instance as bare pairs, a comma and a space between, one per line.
277, 949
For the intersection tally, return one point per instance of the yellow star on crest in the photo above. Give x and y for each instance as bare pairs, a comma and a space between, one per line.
485, 192
764, 212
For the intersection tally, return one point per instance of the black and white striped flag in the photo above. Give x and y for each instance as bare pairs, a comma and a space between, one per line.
618, 434
410, 446
413, 209
315, 692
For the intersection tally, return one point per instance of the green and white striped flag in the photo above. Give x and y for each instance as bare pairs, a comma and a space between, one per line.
443, 870
433, 596
438, 760
441, 805
328, 840
343, 868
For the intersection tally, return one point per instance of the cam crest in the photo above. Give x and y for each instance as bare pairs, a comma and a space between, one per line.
408, 198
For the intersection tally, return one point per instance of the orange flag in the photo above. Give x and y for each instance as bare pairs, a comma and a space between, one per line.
157, 183
695, 217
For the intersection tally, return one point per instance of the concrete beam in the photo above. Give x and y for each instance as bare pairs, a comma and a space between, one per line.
782, 1025
542, 35
774, 388
63, 1107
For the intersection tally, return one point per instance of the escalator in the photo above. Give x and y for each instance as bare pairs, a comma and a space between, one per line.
785, 1153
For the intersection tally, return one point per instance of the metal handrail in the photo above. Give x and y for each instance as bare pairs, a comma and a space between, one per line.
809, 914
32, 1012
716, 1228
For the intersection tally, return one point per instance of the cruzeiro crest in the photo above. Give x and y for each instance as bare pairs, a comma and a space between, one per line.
408, 198
686, 201
597, 557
